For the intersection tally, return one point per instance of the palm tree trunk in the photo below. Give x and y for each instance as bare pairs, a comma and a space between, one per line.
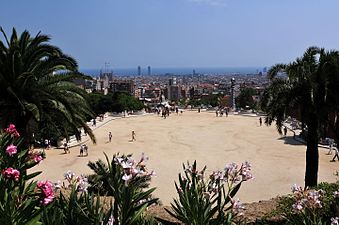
312, 154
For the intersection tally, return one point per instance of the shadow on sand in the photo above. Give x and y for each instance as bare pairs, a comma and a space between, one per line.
290, 140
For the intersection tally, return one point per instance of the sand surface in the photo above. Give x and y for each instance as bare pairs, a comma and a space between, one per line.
278, 162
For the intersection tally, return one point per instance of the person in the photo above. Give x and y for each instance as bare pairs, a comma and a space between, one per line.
66, 148
226, 113
110, 136
330, 143
133, 136
46, 143
260, 121
285, 131
216, 113
94, 122
86, 149
336, 154
81, 150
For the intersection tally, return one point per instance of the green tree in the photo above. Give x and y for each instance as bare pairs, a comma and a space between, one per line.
100, 103
311, 89
245, 99
123, 101
212, 100
36, 87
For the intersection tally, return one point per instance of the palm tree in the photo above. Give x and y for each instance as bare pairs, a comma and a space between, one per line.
36, 87
311, 91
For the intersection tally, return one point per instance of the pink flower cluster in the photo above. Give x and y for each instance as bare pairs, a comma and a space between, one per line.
11, 173
38, 156
12, 130
306, 199
133, 168
79, 182
233, 173
237, 207
11, 150
46, 188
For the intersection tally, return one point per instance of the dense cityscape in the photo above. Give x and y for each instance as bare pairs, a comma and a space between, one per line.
178, 89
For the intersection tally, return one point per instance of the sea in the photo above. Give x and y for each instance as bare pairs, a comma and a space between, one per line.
176, 71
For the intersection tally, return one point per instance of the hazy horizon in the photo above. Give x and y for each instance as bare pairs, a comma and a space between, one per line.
175, 70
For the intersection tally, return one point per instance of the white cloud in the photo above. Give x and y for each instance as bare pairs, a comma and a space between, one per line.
211, 2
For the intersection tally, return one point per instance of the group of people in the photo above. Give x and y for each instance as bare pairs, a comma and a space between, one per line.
83, 150
47, 144
220, 112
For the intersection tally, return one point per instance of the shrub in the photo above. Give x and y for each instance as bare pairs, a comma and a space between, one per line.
209, 201
21, 200
125, 179
318, 206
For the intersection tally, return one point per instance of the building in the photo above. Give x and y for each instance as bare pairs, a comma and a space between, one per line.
173, 93
123, 86
149, 71
139, 70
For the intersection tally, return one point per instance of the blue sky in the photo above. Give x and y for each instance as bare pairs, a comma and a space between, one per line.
178, 33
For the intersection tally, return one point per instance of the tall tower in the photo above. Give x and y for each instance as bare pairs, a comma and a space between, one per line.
149, 70
139, 70
233, 94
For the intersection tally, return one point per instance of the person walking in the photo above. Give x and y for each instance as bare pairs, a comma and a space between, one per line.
86, 149
260, 121
336, 154
133, 136
81, 150
66, 148
110, 136
285, 131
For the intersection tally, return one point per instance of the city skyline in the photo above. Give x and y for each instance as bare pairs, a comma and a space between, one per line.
178, 33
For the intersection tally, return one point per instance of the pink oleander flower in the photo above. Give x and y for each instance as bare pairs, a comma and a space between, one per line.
11, 150
314, 198
47, 192
246, 171
11, 173
126, 177
335, 221
69, 175
217, 175
12, 130
38, 158
237, 207
82, 184
295, 188
231, 171
298, 206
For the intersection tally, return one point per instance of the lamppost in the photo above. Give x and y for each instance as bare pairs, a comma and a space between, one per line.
232, 89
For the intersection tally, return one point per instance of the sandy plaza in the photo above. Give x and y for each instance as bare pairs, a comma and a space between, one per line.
277, 162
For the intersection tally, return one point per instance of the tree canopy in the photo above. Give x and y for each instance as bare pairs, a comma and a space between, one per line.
245, 100
310, 91
123, 101
36, 87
